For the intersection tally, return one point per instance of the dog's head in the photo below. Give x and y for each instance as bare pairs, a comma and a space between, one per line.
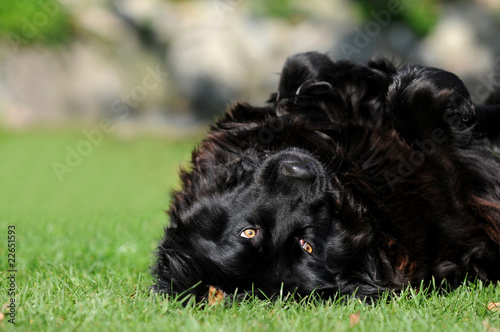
266, 231
271, 202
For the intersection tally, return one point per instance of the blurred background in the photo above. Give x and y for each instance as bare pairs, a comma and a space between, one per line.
101, 103
171, 66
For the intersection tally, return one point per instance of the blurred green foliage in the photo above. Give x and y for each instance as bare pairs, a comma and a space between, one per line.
32, 21
421, 16
278, 8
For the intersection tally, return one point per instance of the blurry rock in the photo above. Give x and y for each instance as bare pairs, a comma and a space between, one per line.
226, 54
53, 86
466, 42
454, 44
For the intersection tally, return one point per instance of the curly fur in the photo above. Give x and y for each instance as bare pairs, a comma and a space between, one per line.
353, 179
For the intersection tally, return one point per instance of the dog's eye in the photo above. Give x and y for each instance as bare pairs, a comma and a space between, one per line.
248, 233
306, 246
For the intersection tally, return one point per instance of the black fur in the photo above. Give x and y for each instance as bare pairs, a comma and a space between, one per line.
354, 179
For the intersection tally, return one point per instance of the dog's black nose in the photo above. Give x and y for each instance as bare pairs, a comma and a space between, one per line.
297, 167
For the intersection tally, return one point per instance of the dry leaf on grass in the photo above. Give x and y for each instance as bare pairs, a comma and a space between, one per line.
354, 319
215, 296
492, 306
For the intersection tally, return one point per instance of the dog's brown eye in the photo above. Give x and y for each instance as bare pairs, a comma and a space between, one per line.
306, 246
248, 233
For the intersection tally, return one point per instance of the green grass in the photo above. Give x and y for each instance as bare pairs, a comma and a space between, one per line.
84, 245
31, 21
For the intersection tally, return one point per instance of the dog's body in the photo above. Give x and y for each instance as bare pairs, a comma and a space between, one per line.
356, 179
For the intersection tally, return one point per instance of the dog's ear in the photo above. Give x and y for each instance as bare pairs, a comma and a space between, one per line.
304, 76
425, 99
176, 272
301, 68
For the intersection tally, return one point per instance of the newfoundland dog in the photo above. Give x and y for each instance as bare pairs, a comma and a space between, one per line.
354, 179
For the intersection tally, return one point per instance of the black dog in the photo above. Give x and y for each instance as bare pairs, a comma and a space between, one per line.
355, 179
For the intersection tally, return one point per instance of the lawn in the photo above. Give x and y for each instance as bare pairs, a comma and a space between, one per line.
84, 242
